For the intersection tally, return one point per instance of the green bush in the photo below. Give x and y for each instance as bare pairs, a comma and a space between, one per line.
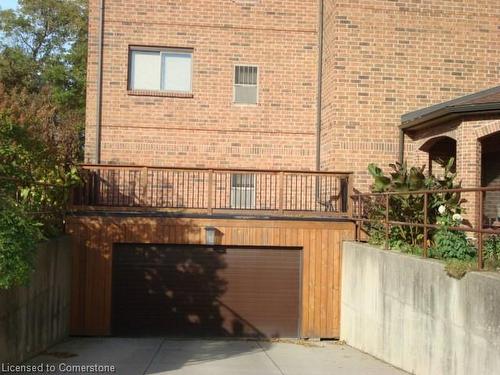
408, 208
33, 174
34, 191
451, 244
19, 235
396, 239
458, 268
491, 248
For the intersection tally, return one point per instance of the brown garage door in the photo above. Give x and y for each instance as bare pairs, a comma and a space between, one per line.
201, 291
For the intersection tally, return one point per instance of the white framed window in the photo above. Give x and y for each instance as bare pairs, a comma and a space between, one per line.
243, 191
246, 84
168, 70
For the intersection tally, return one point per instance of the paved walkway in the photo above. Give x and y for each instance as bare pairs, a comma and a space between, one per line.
136, 356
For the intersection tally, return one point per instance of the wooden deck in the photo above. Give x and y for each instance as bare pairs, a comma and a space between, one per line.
214, 191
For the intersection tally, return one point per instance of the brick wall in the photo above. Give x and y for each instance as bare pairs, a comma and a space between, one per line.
208, 129
386, 58
382, 58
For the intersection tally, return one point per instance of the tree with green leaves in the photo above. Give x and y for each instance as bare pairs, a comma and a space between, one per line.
43, 50
43, 61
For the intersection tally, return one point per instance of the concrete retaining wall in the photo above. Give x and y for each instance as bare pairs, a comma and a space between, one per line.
406, 311
35, 317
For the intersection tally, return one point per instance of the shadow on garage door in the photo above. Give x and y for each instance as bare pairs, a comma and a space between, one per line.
200, 291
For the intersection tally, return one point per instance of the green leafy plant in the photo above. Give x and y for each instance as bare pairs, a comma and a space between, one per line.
408, 208
451, 244
34, 191
19, 235
491, 248
32, 174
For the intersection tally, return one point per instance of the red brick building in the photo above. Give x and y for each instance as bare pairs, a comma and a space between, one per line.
380, 59
218, 127
468, 130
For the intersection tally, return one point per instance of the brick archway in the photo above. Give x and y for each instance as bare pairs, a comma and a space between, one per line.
488, 129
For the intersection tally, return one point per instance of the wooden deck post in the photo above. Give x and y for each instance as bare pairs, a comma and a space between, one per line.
350, 193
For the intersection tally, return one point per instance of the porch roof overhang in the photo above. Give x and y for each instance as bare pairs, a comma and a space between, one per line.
486, 102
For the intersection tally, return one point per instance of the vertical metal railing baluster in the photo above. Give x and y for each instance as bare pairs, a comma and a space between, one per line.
163, 188
177, 188
210, 192
480, 261
425, 225
387, 228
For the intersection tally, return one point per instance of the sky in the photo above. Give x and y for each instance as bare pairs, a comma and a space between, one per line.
5, 4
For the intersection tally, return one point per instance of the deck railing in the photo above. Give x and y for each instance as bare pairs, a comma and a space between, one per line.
212, 191
474, 222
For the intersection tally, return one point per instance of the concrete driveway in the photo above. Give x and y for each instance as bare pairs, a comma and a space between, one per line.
218, 357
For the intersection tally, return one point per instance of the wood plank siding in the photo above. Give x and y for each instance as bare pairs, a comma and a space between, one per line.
95, 236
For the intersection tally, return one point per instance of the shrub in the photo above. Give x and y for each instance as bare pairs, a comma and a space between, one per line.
32, 172
377, 238
408, 208
19, 235
451, 244
458, 268
491, 248
34, 190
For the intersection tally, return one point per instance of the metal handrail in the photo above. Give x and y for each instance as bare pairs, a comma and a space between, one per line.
478, 229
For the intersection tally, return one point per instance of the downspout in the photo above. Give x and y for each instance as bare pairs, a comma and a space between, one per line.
320, 86
98, 114
401, 146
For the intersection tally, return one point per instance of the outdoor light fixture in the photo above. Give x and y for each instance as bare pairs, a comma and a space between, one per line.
210, 233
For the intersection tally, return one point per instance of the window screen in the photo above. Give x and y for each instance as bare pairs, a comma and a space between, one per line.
246, 84
162, 70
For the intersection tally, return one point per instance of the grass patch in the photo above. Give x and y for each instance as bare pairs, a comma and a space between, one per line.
458, 268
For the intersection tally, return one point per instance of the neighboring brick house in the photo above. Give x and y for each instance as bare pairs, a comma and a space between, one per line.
468, 130
386, 58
